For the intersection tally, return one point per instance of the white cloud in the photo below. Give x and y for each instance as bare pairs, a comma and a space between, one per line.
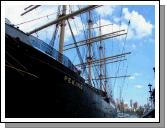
117, 19
139, 27
138, 86
104, 11
76, 31
137, 74
126, 13
133, 46
76, 25
13, 14
134, 76
111, 27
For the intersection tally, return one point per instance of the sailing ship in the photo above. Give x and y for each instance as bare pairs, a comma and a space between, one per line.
41, 82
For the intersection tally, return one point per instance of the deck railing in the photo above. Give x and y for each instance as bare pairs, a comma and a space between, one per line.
52, 52
40, 45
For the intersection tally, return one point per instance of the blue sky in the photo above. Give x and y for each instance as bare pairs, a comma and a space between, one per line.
142, 60
140, 41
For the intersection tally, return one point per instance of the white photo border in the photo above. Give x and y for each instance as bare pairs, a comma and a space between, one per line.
110, 120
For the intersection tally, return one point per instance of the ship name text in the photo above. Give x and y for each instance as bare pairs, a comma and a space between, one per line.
73, 82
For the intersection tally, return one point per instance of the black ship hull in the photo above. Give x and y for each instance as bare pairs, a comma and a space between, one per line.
149, 114
38, 86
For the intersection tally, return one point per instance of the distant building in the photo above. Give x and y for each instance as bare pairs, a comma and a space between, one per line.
126, 106
135, 106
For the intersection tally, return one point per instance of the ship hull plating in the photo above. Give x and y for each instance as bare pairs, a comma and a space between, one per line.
38, 86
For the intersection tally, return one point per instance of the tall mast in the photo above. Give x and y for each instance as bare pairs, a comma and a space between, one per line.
105, 75
100, 49
62, 31
89, 58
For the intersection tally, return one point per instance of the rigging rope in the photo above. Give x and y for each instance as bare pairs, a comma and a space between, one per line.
122, 49
55, 30
34, 19
78, 52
